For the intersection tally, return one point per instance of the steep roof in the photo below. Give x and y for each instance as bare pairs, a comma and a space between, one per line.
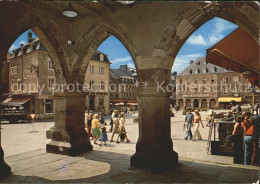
201, 67
37, 45
122, 72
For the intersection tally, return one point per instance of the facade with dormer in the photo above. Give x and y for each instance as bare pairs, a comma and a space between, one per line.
204, 85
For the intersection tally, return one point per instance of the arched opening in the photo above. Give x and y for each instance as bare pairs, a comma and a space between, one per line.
188, 103
204, 103
180, 103
202, 80
196, 103
212, 103
29, 75
110, 79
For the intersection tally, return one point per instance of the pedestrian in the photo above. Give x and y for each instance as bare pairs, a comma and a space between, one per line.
112, 121
101, 119
248, 127
189, 119
116, 129
89, 125
125, 110
210, 115
123, 134
197, 121
235, 108
103, 137
237, 139
95, 128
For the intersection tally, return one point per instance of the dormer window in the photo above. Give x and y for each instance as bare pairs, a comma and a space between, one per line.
101, 57
214, 69
205, 70
197, 71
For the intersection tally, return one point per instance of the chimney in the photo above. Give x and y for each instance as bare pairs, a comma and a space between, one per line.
191, 61
29, 39
124, 67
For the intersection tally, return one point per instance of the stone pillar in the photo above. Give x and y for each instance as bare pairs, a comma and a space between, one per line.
69, 136
5, 169
154, 148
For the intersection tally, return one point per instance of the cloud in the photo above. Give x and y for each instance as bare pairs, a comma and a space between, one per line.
131, 65
196, 40
215, 36
119, 60
183, 61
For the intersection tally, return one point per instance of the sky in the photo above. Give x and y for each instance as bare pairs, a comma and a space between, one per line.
205, 37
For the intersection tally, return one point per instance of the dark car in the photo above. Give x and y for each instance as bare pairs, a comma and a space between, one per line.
13, 114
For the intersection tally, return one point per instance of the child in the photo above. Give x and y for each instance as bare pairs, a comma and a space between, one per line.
103, 137
122, 135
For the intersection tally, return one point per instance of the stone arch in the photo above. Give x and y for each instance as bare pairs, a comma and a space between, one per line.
91, 40
212, 103
244, 14
196, 103
181, 102
41, 29
204, 103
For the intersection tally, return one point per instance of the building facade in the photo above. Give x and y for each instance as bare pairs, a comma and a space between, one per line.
203, 85
32, 80
122, 85
97, 83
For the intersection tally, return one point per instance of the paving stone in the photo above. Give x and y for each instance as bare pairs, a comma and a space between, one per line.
121, 177
21, 156
236, 178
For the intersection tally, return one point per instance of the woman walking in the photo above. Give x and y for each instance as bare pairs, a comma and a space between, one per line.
116, 129
95, 128
197, 121
122, 134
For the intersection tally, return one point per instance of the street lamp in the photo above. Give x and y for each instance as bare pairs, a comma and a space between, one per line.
70, 12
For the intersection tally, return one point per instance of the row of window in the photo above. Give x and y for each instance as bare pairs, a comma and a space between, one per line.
125, 95
101, 70
225, 80
204, 70
14, 69
101, 85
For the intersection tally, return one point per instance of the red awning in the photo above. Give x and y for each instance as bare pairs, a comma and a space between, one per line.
15, 101
237, 52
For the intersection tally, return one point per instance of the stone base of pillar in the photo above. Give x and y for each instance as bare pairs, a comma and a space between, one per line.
65, 148
154, 162
5, 169
69, 136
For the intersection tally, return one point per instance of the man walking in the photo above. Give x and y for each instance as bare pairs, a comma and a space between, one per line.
189, 120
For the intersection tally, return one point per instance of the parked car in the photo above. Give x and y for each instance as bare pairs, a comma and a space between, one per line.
13, 114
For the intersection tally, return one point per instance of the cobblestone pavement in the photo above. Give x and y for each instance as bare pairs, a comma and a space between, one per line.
25, 153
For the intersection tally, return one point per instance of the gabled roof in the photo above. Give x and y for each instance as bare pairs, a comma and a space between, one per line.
200, 64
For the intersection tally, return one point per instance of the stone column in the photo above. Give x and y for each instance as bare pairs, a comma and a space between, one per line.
69, 136
5, 169
154, 148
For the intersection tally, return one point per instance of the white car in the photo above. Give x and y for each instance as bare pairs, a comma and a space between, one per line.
245, 106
